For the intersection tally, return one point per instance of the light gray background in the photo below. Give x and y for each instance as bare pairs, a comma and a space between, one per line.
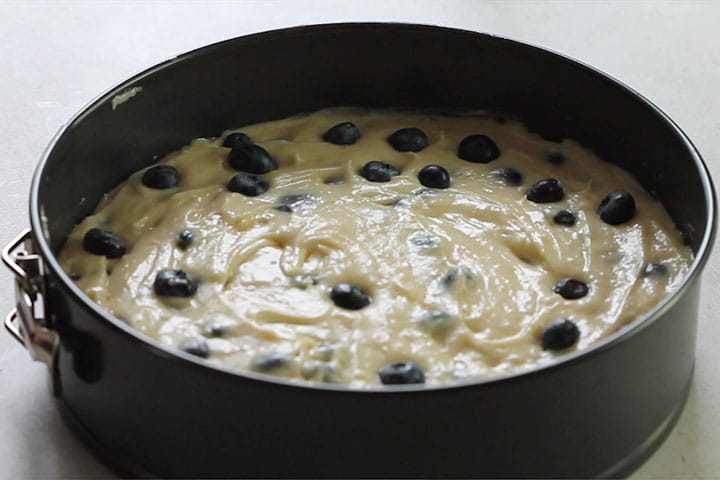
56, 56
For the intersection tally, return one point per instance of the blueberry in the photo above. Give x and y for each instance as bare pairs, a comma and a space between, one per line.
375, 171
434, 176
101, 242
237, 139
559, 334
251, 158
454, 274
439, 322
161, 177
215, 330
401, 373
564, 217
269, 361
618, 207
507, 175
196, 346
172, 282
185, 238
556, 158
408, 140
424, 240
349, 296
295, 201
545, 191
345, 133
248, 184
478, 149
571, 288
654, 269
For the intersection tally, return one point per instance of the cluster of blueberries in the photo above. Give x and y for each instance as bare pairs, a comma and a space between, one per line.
252, 161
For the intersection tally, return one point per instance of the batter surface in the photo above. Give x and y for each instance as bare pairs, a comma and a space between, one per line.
457, 282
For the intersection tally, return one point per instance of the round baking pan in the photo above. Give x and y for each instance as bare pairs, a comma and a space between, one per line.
153, 411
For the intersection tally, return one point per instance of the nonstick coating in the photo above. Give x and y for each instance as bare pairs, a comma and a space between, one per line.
151, 411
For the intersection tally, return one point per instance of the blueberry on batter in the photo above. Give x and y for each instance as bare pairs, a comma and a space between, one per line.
439, 322
345, 133
571, 288
478, 149
173, 282
267, 362
350, 297
507, 175
456, 274
252, 159
196, 346
185, 238
295, 201
564, 217
618, 207
161, 177
401, 373
654, 269
546, 191
101, 242
560, 334
434, 176
237, 139
375, 171
248, 184
408, 140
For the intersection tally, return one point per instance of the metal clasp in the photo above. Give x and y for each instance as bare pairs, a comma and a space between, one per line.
28, 321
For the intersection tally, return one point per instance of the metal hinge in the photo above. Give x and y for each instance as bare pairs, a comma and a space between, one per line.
28, 321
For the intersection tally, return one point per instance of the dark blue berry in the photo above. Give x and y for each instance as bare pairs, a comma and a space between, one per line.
237, 139
215, 330
375, 171
185, 238
559, 334
424, 240
618, 207
345, 133
269, 361
434, 176
478, 149
408, 140
438, 322
161, 177
546, 191
507, 175
350, 297
571, 288
556, 158
401, 373
295, 201
196, 346
252, 159
654, 269
248, 184
564, 217
454, 274
101, 242
172, 282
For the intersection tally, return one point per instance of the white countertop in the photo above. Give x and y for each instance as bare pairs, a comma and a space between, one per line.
56, 56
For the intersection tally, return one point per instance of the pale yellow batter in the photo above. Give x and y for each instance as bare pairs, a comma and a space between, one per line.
265, 274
